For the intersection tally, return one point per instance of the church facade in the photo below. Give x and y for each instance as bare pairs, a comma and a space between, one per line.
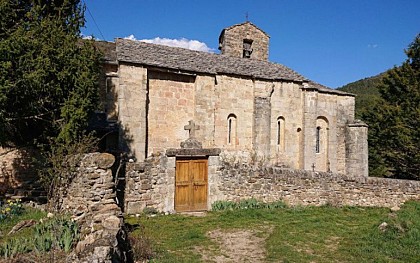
236, 101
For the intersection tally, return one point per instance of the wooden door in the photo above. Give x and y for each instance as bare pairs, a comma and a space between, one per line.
191, 185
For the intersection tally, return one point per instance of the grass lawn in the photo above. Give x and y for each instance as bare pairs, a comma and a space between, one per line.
292, 234
9, 223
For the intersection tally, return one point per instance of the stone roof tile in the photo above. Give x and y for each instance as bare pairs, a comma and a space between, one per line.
201, 62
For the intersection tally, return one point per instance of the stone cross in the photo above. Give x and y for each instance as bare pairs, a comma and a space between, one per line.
191, 127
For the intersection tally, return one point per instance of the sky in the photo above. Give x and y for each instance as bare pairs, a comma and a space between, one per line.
332, 42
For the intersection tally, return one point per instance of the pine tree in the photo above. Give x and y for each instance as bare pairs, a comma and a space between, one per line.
48, 76
394, 122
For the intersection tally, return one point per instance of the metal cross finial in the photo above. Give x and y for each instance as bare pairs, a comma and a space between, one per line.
191, 127
247, 16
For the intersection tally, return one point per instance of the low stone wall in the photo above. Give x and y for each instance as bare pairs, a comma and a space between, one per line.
298, 187
90, 199
148, 184
152, 184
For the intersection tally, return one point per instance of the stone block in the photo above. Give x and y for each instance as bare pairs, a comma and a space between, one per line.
135, 207
104, 160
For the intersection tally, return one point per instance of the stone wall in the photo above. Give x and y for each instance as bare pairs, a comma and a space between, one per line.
235, 114
90, 199
232, 41
171, 105
152, 184
148, 184
19, 178
299, 187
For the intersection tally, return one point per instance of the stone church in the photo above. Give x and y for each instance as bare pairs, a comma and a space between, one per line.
236, 101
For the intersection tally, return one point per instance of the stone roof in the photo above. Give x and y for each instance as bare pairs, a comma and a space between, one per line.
201, 62
324, 89
181, 59
228, 28
108, 49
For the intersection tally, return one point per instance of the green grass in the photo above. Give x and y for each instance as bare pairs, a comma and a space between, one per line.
299, 234
7, 224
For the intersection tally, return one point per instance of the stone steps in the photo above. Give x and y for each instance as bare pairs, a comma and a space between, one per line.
28, 191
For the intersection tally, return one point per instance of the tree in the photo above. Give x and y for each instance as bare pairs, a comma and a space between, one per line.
394, 122
48, 76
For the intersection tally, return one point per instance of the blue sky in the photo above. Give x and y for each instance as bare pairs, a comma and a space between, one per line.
333, 42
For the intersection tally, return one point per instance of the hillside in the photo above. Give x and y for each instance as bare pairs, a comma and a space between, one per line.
366, 91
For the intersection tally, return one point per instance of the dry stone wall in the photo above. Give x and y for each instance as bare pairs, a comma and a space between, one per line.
299, 187
90, 199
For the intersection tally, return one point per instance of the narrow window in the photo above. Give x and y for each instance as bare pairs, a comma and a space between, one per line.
231, 123
318, 135
281, 134
230, 131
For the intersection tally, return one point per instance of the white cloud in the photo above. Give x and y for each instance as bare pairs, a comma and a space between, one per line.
83, 36
373, 45
182, 42
131, 37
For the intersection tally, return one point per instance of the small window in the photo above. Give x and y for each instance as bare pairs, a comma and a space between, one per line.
231, 136
318, 135
281, 133
247, 48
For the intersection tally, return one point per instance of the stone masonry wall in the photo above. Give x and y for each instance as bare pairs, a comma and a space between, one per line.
299, 187
148, 184
152, 184
90, 199
18, 175
171, 106
232, 44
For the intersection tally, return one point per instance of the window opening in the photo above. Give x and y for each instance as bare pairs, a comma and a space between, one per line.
231, 136
318, 134
230, 131
247, 48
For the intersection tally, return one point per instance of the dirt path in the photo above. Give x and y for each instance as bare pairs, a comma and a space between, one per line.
236, 246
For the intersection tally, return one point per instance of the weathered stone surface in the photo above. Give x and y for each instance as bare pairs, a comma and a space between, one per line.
112, 222
240, 105
91, 201
191, 143
234, 180
105, 160
193, 152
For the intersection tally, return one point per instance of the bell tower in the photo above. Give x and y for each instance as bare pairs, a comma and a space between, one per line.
245, 41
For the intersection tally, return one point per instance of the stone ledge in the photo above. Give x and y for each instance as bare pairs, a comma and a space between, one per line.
193, 152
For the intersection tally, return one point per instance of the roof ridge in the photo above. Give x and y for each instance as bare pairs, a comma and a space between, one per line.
246, 22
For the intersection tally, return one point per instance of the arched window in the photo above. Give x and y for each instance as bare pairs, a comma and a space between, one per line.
231, 125
322, 139
281, 133
318, 138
